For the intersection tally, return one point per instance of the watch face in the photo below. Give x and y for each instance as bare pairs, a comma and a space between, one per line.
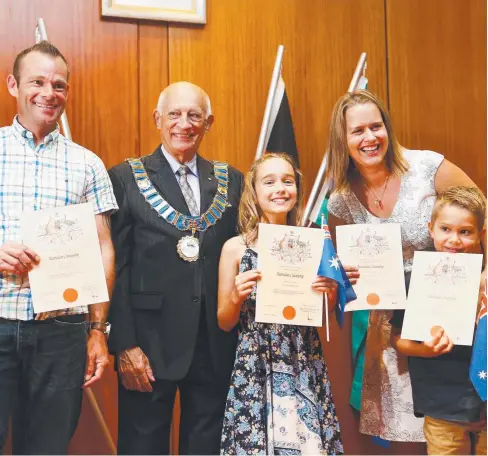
107, 328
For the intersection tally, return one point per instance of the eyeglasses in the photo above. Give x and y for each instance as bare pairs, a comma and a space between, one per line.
194, 117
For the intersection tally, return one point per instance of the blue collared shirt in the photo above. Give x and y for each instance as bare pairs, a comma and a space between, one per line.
56, 172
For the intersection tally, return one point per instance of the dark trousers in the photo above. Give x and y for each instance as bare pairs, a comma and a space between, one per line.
145, 418
42, 365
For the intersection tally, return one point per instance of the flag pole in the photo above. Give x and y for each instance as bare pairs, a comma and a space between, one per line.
325, 295
326, 310
357, 73
41, 35
315, 191
269, 103
314, 194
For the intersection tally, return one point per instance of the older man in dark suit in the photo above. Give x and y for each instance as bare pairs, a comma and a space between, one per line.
176, 211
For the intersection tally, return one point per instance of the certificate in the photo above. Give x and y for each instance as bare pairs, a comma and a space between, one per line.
288, 258
70, 272
443, 294
376, 249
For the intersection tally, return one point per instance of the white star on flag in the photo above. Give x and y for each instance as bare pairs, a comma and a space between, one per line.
334, 263
482, 375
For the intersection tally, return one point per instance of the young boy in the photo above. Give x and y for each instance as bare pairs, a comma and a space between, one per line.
455, 416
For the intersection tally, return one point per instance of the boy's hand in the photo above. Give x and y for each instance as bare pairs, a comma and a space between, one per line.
439, 345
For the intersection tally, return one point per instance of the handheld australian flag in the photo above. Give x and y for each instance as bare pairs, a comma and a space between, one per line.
478, 368
331, 267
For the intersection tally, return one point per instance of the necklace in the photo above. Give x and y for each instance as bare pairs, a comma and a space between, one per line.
378, 201
188, 246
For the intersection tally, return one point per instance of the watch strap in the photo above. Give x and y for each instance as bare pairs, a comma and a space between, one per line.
99, 326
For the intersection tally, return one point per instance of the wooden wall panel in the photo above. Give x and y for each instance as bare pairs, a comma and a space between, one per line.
437, 78
153, 78
232, 58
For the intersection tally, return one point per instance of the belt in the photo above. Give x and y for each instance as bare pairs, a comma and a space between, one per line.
77, 318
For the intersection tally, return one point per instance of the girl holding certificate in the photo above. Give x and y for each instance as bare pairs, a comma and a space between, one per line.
378, 181
280, 399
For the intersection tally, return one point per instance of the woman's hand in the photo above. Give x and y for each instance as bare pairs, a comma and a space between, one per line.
352, 273
243, 285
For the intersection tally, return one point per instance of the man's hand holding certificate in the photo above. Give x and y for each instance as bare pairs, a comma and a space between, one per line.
70, 271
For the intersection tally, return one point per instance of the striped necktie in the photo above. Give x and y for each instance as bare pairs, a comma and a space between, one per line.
187, 191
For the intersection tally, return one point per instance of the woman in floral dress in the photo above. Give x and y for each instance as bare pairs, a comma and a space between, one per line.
378, 181
280, 400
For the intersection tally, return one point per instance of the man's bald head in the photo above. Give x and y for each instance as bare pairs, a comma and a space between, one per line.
173, 90
183, 116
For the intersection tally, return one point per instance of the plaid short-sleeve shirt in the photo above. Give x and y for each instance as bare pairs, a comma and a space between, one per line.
56, 172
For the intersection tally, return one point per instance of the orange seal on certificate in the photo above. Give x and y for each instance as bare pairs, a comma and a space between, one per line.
70, 295
373, 299
289, 312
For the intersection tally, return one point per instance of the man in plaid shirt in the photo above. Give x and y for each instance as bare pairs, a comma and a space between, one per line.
45, 359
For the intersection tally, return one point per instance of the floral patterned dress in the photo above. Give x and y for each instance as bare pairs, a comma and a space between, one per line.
280, 400
387, 404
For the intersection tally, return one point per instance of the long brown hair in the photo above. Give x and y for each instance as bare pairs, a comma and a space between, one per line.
250, 214
340, 166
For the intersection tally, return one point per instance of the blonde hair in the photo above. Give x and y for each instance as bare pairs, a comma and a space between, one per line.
250, 214
340, 166
469, 198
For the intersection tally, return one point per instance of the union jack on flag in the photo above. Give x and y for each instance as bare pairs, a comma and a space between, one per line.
331, 267
478, 367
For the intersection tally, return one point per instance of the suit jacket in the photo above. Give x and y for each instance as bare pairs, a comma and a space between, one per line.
157, 295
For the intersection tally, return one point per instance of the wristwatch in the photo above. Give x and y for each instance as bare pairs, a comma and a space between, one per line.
100, 326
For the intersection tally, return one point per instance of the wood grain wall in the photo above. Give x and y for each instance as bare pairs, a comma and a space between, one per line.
437, 78
426, 59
